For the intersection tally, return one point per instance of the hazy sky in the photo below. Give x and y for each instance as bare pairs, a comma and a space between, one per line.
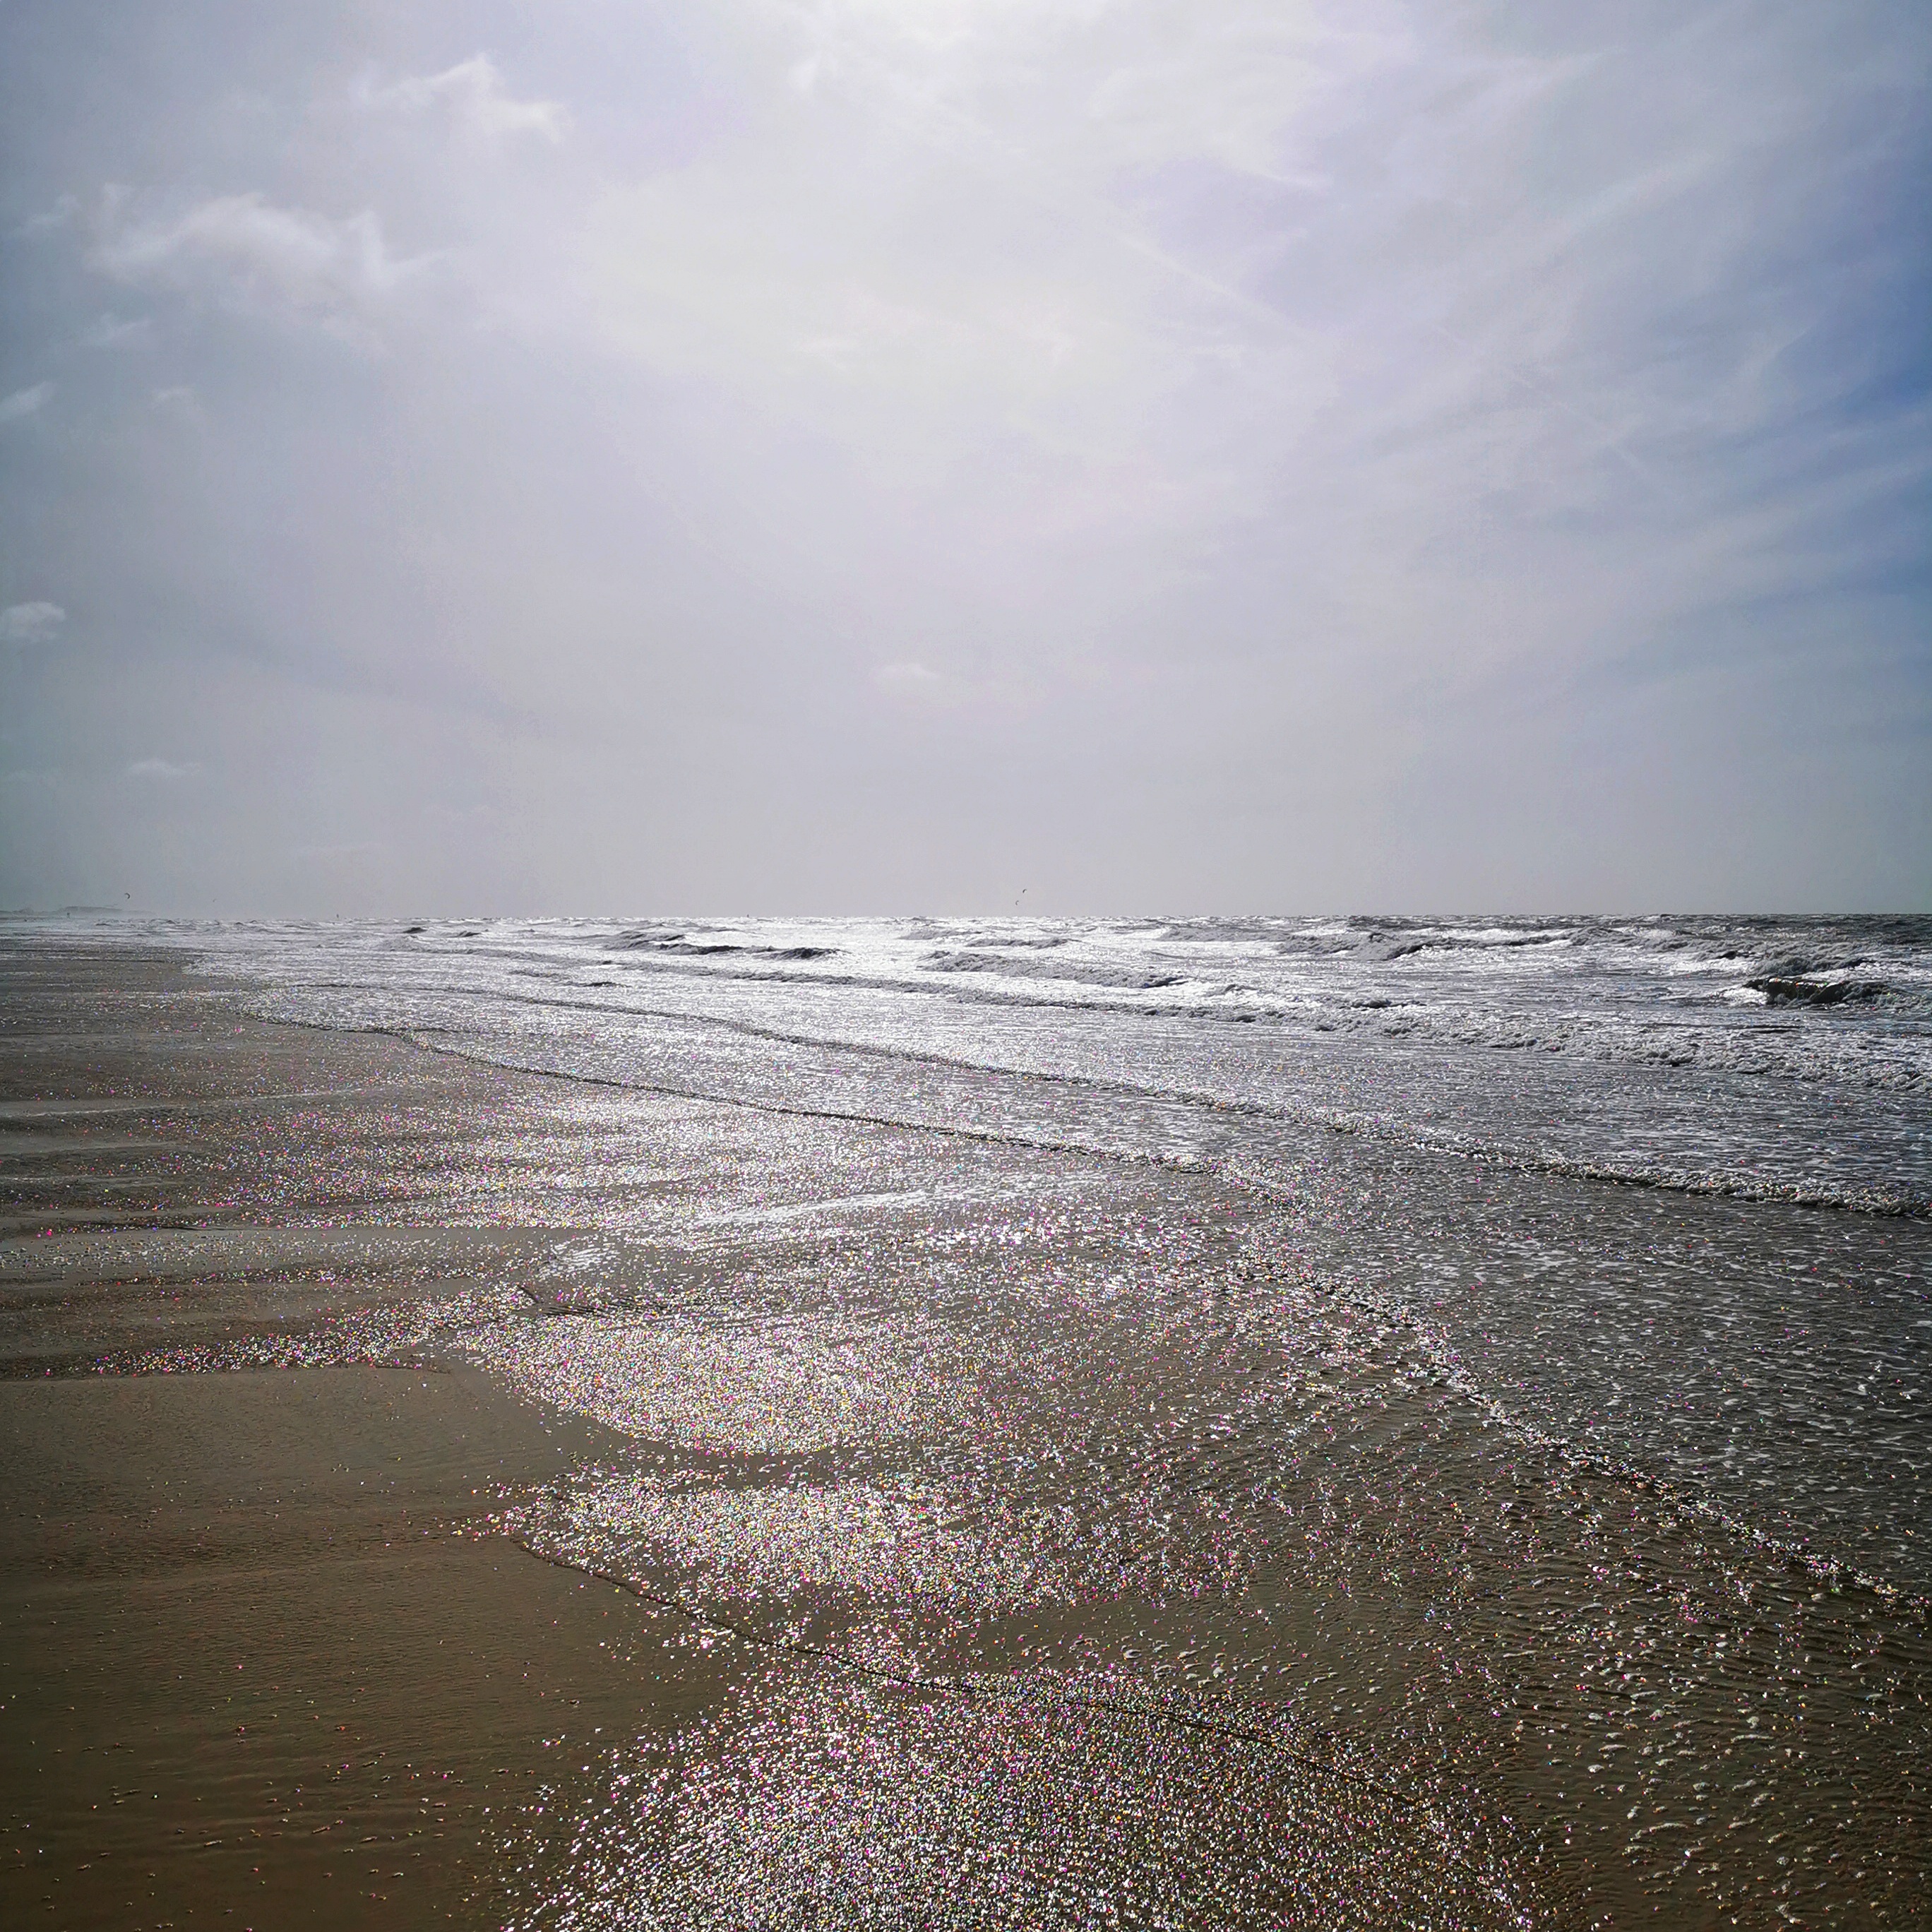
874, 455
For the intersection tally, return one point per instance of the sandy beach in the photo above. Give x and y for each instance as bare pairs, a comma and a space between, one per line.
446, 1494
271, 1655
258, 1663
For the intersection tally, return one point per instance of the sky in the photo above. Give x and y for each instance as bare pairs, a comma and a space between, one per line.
883, 456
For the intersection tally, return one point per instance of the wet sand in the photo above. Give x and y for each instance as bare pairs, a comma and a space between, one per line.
253, 1667
262, 1660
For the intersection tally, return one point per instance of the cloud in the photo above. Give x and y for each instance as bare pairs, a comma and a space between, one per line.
25, 402
62, 214
473, 92
36, 623
247, 249
110, 332
161, 771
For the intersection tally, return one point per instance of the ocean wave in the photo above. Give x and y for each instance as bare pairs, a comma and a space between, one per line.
593, 1062
1653, 1052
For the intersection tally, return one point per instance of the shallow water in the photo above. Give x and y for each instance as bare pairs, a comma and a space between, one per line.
1155, 1467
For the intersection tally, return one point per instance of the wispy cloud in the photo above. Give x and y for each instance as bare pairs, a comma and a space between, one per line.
907, 677
34, 623
162, 771
25, 402
473, 91
917, 683
50, 220
109, 331
247, 249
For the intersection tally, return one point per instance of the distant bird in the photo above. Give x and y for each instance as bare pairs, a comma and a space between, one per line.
1023, 891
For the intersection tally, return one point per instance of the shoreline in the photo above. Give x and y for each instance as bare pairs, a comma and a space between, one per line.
991, 1455
237, 1688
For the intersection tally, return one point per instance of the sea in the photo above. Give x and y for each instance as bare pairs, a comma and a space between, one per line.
1496, 1368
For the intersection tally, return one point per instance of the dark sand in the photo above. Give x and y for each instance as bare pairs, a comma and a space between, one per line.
255, 1666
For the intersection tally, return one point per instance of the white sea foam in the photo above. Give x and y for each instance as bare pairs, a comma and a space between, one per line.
1785, 1056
